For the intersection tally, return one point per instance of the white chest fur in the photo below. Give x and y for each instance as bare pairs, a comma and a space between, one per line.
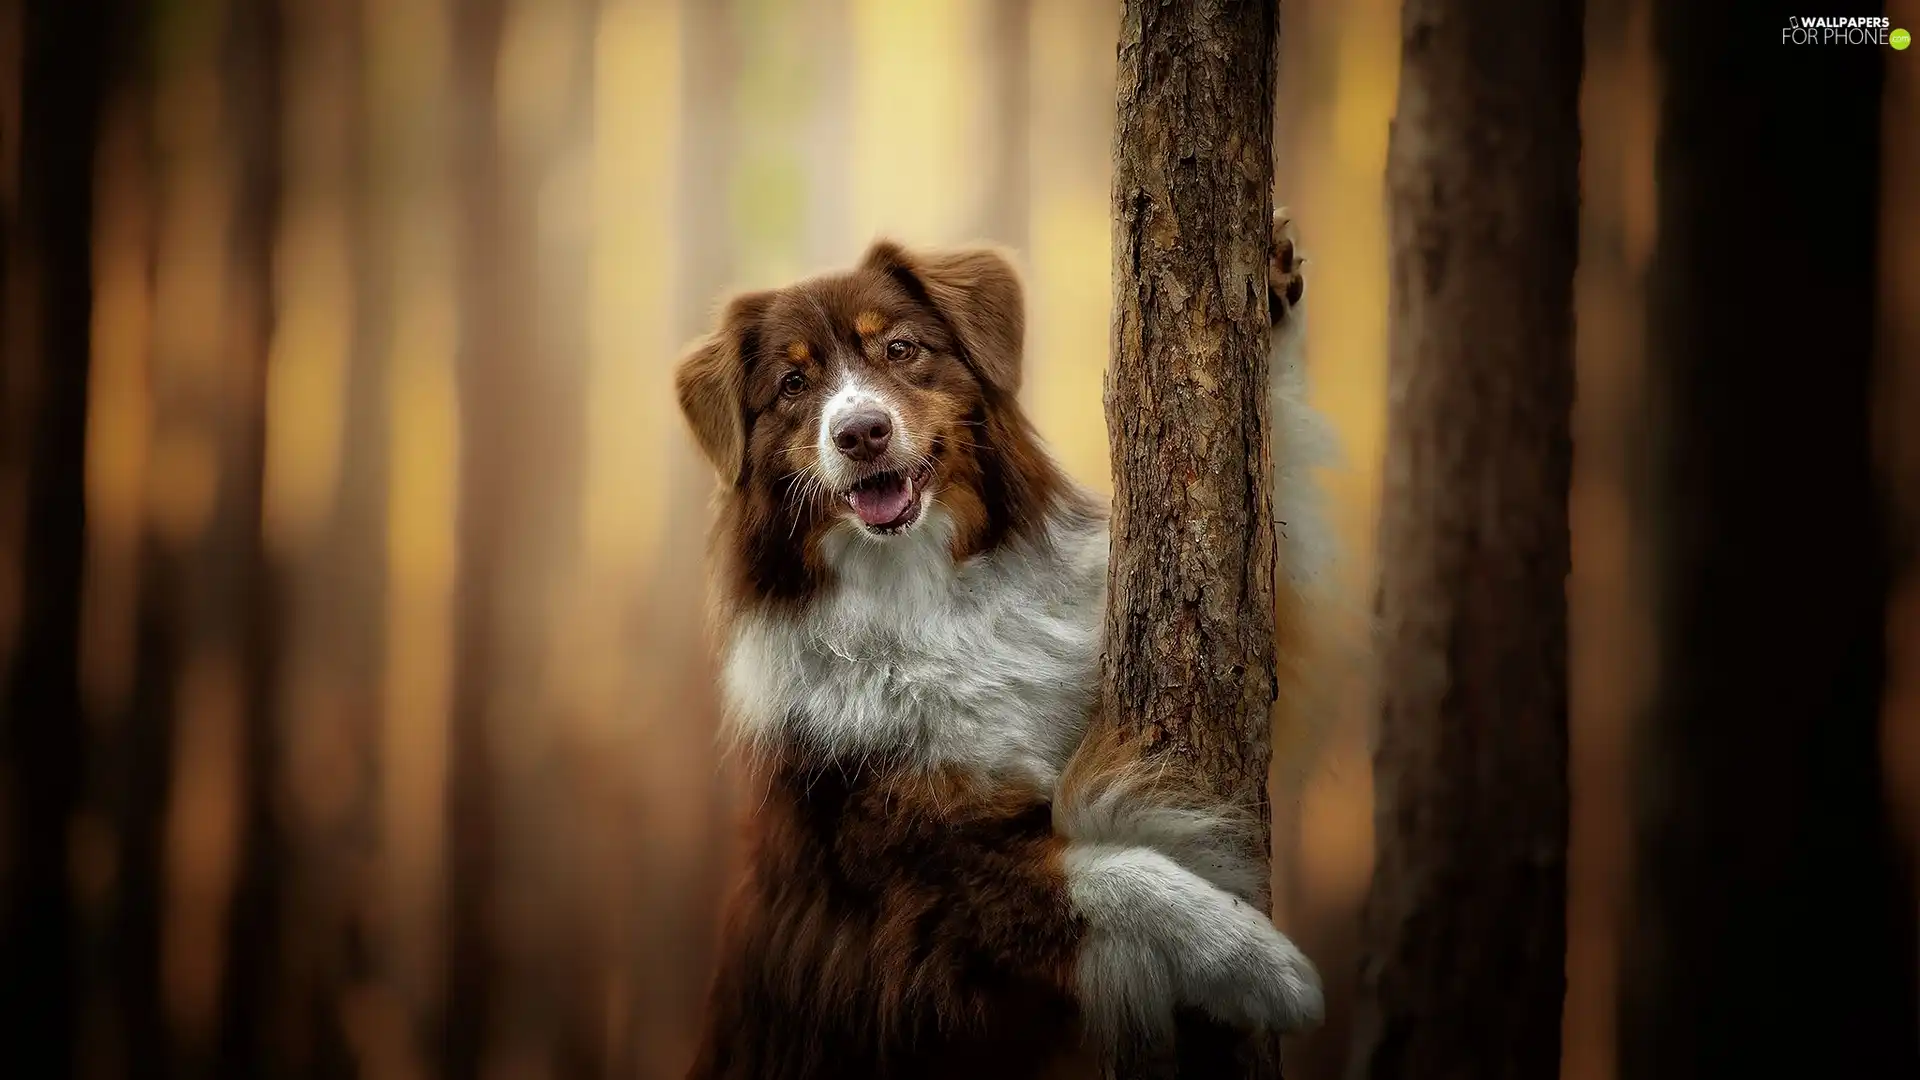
988, 665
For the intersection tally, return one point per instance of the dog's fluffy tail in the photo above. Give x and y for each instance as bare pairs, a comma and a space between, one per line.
1324, 634
1110, 796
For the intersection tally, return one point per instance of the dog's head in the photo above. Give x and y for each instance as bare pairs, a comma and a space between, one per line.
861, 399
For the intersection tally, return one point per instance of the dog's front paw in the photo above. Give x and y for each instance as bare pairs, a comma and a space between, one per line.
1160, 937
1286, 280
1260, 981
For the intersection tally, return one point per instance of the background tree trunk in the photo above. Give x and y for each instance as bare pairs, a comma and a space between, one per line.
547, 880
239, 566
59, 55
195, 837
1008, 45
1773, 929
333, 641
1189, 666
1465, 936
488, 477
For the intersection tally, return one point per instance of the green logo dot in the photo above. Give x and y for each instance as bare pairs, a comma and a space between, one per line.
1900, 39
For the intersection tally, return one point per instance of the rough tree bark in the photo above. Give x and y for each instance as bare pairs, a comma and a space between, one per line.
1189, 664
1773, 929
1465, 930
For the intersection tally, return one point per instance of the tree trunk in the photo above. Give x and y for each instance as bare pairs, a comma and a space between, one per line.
1465, 929
549, 981
1897, 397
1773, 928
672, 669
62, 56
518, 481
472, 951
251, 981
333, 642
1005, 203
1189, 665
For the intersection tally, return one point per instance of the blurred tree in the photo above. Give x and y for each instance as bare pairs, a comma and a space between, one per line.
1189, 629
177, 854
553, 961
237, 569
411, 328
491, 298
691, 854
1773, 923
521, 960
1607, 594
1897, 401
1465, 930
326, 516
67, 54
1005, 201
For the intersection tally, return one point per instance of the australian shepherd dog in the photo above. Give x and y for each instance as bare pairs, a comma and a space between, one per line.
954, 872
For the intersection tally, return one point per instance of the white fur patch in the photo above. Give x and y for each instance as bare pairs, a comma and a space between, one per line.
989, 664
852, 394
1159, 937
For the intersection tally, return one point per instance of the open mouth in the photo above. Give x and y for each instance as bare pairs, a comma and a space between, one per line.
889, 501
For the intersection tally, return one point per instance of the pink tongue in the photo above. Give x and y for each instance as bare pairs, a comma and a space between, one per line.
882, 503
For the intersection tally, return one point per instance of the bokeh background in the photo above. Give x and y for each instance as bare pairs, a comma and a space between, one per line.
398, 700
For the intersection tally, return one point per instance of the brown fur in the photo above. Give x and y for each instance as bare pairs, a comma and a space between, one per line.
1108, 755
1110, 774
711, 381
895, 924
963, 313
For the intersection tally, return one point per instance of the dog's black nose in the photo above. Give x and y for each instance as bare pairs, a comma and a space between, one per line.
863, 435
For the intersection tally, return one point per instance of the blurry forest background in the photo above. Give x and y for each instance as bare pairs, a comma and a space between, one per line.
396, 746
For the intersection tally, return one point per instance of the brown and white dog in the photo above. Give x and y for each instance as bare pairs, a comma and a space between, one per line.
949, 875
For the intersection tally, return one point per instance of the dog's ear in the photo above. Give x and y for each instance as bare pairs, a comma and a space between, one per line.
711, 381
978, 292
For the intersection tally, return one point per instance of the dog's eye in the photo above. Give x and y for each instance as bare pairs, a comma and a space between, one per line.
901, 351
792, 383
